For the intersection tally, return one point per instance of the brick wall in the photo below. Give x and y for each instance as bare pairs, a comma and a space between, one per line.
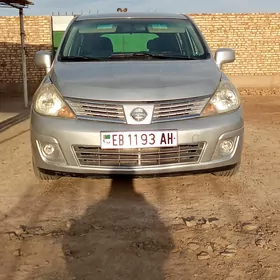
255, 38
38, 37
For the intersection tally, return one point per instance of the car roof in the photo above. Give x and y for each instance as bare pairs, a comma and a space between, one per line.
132, 15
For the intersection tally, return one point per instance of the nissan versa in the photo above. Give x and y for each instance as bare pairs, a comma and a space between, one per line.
135, 94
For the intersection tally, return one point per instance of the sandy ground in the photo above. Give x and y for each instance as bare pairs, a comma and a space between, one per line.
187, 227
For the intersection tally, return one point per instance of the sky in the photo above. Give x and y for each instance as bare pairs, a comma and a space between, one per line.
47, 7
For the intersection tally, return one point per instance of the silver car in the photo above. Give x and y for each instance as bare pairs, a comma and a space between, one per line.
135, 94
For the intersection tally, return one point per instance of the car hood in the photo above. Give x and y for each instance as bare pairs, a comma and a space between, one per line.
136, 80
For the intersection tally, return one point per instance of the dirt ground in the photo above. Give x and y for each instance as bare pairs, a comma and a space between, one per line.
186, 227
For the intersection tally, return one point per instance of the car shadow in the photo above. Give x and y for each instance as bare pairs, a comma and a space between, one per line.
121, 237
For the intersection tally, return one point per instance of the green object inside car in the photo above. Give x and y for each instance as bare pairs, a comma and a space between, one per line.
57, 37
136, 42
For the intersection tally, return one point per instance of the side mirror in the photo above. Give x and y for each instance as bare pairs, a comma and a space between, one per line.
224, 55
43, 59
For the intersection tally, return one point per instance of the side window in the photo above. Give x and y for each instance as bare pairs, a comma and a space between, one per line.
136, 42
71, 42
197, 48
77, 43
186, 44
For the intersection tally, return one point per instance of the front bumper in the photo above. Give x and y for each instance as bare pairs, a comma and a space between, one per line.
67, 133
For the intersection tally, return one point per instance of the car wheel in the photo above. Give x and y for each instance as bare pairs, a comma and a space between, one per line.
43, 176
228, 173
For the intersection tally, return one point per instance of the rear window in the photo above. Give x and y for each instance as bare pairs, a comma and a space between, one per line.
126, 43
102, 38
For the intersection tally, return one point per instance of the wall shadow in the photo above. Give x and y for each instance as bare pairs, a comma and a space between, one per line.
121, 237
12, 109
6, 124
11, 85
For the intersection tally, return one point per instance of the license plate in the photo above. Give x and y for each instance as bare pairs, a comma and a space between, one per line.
139, 139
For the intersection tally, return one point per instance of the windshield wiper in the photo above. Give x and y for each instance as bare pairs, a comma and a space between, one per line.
168, 56
152, 55
79, 58
127, 55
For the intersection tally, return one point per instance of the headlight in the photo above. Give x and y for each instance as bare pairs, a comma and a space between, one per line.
226, 99
48, 102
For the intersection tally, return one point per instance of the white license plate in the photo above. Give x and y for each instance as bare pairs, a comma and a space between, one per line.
139, 139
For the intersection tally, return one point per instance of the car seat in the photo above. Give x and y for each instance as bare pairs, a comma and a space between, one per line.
164, 44
96, 46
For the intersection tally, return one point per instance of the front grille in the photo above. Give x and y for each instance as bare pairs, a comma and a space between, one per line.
95, 156
114, 112
178, 109
100, 111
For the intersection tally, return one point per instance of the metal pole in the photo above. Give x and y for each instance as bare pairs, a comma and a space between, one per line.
24, 71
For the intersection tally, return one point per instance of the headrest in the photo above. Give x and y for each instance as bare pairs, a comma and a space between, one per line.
93, 42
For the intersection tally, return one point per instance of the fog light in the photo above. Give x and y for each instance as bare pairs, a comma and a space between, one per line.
226, 147
48, 149
51, 152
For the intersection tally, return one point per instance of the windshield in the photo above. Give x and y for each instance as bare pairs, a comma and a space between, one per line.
98, 39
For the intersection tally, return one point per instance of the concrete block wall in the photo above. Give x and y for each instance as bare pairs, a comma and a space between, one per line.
255, 38
38, 36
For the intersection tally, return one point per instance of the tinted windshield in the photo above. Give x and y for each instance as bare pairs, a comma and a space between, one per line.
132, 38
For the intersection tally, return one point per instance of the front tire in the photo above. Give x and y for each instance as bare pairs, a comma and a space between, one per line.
228, 173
